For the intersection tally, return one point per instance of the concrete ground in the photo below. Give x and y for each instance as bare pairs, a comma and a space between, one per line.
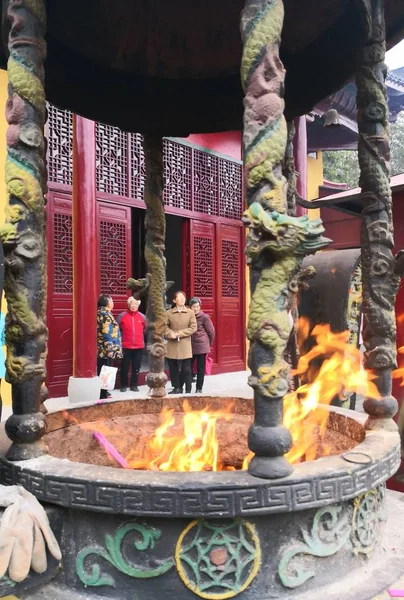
228, 384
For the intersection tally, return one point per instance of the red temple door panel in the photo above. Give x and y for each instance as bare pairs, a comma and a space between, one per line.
214, 271
200, 270
230, 297
115, 252
60, 293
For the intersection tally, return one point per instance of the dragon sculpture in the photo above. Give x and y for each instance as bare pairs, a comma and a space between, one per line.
284, 241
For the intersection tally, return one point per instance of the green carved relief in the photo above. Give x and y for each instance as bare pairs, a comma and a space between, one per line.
354, 525
217, 560
329, 532
113, 554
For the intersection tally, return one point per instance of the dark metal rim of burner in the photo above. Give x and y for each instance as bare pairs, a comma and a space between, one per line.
224, 494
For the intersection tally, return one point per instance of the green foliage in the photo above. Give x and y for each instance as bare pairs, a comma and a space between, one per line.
342, 166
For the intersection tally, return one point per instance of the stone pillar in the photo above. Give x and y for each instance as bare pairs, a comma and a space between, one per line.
276, 242
23, 233
300, 155
84, 386
155, 224
381, 271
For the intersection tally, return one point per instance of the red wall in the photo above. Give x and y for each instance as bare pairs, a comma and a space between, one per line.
398, 221
342, 229
228, 142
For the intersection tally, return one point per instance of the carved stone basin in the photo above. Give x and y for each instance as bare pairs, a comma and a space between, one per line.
132, 534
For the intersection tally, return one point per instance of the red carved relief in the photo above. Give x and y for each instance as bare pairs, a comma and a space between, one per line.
59, 133
137, 171
230, 269
203, 267
62, 254
113, 257
112, 160
177, 175
230, 189
205, 182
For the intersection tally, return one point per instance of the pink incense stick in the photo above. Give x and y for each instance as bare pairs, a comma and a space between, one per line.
396, 593
112, 451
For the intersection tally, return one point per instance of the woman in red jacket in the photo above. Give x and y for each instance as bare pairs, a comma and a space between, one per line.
133, 325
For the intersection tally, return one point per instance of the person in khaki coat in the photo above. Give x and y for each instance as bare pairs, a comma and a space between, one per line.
180, 325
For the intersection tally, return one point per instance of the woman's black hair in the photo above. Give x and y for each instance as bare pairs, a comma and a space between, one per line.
103, 300
195, 300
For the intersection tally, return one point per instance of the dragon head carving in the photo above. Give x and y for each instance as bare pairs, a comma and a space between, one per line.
281, 235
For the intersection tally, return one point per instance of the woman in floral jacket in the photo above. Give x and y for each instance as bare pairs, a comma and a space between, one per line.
108, 336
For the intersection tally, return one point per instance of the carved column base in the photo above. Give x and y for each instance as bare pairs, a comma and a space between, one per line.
26, 431
267, 467
269, 443
157, 384
381, 413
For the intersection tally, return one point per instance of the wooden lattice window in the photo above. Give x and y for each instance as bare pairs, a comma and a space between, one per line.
112, 160
62, 254
59, 133
205, 182
230, 269
138, 170
113, 248
230, 189
177, 171
203, 260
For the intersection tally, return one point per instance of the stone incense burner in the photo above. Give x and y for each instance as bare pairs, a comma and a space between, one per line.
132, 534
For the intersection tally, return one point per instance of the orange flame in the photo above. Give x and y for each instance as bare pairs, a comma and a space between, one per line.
340, 373
331, 369
197, 449
399, 373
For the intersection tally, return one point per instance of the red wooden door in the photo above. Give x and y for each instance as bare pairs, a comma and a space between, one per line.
201, 270
214, 271
60, 292
114, 224
230, 297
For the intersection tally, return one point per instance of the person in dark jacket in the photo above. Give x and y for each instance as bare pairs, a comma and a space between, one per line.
132, 324
108, 336
201, 341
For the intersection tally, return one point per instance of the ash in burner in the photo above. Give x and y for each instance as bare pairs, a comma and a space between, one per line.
131, 436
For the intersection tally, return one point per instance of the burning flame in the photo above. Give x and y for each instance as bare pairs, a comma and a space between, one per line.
399, 373
196, 450
340, 373
331, 368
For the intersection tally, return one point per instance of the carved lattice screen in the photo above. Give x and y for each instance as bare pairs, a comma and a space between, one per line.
62, 254
230, 269
59, 133
112, 160
195, 180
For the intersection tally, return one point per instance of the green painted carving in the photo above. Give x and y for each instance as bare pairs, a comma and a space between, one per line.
274, 259
286, 240
381, 270
329, 532
369, 509
218, 559
23, 234
113, 554
5, 580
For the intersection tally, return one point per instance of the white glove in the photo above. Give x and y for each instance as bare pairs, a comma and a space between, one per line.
24, 529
